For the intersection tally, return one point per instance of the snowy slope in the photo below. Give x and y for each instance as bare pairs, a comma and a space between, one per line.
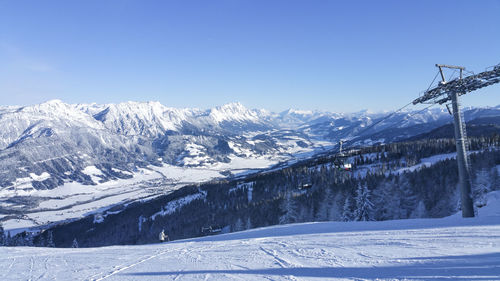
451, 248
150, 119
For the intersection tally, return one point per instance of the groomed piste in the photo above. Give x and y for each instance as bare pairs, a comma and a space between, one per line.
450, 248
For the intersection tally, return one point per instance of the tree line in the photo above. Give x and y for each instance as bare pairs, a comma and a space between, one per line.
386, 182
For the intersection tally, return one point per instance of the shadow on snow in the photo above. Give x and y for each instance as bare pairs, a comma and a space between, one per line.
470, 267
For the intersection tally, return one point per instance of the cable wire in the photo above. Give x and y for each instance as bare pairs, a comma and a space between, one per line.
410, 115
391, 126
451, 76
360, 133
437, 73
383, 119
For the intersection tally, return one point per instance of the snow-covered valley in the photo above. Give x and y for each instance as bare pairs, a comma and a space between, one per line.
62, 162
450, 248
74, 200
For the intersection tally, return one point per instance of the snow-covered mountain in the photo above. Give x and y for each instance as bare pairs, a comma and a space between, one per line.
108, 149
149, 120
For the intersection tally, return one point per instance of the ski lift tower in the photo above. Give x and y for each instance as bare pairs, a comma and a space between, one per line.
450, 91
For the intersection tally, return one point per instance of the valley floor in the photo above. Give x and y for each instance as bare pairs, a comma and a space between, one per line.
422, 249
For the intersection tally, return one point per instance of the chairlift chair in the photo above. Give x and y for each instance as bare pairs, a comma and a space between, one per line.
305, 186
340, 160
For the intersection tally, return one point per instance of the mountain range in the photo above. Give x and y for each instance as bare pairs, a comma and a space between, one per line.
47, 149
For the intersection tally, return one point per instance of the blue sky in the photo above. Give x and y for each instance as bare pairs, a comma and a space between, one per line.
327, 55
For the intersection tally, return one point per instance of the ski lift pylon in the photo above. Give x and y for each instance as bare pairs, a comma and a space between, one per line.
339, 160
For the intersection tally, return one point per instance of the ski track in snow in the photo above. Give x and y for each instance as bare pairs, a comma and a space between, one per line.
126, 266
456, 253
420, 249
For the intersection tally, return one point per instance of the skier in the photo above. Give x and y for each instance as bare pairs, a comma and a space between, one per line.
163, 237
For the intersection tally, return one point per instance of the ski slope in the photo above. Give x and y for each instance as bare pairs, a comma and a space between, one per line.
451, 248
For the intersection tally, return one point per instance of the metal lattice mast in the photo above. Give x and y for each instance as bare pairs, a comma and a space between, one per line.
462, 158
450, 91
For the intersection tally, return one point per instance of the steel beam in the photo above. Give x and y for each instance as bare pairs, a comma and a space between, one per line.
462, 159
450, 66
441, 93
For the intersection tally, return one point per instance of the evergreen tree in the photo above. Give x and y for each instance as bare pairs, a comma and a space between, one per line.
327, 206
364, 207
419, 212
288, 209
50, 239
347, 214
408, 199
248, 225
2, 236
305, 214
16, 240
28, 239
480, 187
8, 240
322, 214
41, 241
238, 225
386, 201
74, 244
395, 200
335, 212
495, 179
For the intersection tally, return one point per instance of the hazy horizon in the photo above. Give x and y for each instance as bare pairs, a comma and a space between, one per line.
298, 110
316, 55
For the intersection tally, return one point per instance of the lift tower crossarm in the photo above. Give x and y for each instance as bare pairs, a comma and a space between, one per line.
441, 93
450, 66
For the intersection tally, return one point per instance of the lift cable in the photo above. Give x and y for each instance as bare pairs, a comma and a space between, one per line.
398, 110
433, 80
351, 147
432, 99
410, 115
381, 120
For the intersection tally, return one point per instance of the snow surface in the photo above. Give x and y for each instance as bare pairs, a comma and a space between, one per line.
451, 248
173, 206
75, 200
429, 161
43, 176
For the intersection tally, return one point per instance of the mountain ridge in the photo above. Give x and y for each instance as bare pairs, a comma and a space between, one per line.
53, 145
